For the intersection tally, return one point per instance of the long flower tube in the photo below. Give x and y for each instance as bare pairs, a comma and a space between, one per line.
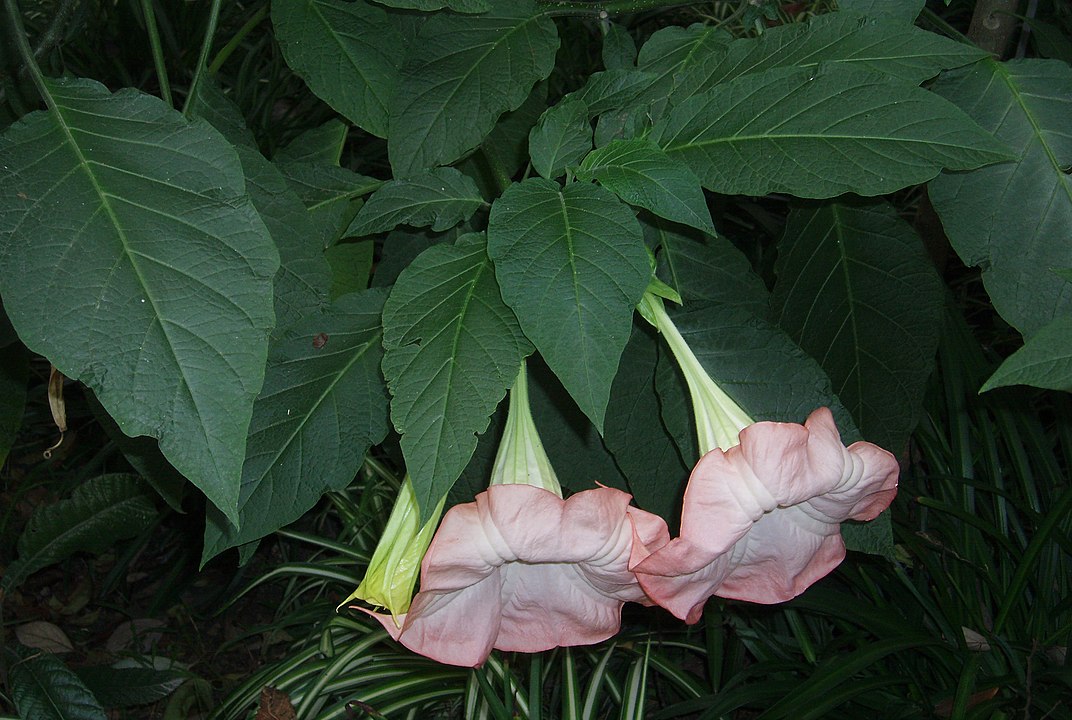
763, 507
392, 573
521, 568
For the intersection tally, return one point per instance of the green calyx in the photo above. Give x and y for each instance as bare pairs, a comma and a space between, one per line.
392, 572
719, 420
521, 458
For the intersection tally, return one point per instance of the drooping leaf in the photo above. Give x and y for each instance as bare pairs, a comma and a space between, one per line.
857, 291
304, 276
14, 374
642, 446
1014, 219
619, 50
43, 688
347, 52
462, 74
462, 6
324, 404
331, 194
572, 264
99, 512
452, 349
351, 266
641, 174
322, 144
132, 258
879, 45
820, 133
1045, 360
440, 198
561, 138
905, 11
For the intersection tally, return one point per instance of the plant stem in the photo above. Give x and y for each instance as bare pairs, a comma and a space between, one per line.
607, 7
158, 51
23, 45
993, 24
234, 42
54, 32
206, 46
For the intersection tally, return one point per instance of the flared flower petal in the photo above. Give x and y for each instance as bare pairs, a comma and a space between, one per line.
521, 569
761, 521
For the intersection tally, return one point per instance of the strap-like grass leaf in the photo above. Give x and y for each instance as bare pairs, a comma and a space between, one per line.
857, 291
561, 138
1015, 219
43, 688
819, 133
452, 349
14, 374
462, 73
132, 258
1044, 361
324, 404
883, 46
347, 52
572, 264
99, 512
641, 174
441, 198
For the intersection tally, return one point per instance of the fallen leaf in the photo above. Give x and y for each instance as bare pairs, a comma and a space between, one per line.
275, 705
42, 635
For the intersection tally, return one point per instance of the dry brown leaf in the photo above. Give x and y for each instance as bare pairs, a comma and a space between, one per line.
275, 705
41, 635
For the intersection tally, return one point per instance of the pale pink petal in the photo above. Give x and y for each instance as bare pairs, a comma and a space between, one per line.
761, 522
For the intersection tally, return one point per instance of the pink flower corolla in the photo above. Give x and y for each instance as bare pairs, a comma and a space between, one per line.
522, 569
762, 510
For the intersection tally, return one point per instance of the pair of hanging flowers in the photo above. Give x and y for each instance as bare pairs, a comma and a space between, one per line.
523, 569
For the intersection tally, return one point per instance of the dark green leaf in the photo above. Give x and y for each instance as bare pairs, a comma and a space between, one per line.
572, 264
441, 198
820, 133
615, 90
1045, 360
452, 349
904, 11
321, 144
462, 74
1015, 219
101, 511
43, 688
561, 138
14, 374
153, 286
351, 266
676, 53
641, 174
331, 194
462, 6
642, 446
301, 285
213, 105
857, 291
324, 404
401, 247
622, 125
619, 49
129, 685
347, 52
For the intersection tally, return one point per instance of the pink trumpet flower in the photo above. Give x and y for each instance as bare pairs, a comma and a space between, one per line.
762, 510
522, 569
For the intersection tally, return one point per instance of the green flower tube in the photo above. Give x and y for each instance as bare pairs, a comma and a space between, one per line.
392, 572
719, 420
521, 458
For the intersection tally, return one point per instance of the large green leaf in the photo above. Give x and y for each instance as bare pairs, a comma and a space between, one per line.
14, 374
351, 266
617, 89
301, 285
561, 138
462, 74
641, 174
101, 511
452, 349
857, 291
619, 51
505, 150
462, 6
1044, 361
1014, 220
130, 684
440, 198
819, 133
884, 46
132, 258
572, 264
43, 688
331, 194
673, 53
324, 404
347, 52
322, 144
